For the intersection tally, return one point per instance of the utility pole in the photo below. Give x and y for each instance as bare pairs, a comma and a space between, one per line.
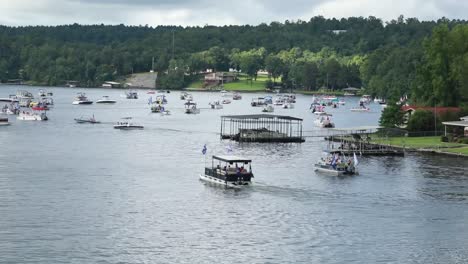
172, 43
435, 118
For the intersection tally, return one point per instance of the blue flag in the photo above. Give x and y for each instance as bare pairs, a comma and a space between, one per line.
204, 149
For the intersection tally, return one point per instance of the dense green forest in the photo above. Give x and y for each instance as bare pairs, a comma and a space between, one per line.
426, 60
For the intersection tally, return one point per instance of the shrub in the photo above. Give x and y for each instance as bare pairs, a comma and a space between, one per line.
421, 121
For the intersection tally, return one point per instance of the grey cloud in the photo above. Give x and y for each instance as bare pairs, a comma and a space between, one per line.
201, 12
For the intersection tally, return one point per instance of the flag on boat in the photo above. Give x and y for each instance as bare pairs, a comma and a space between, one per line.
204, 149
150, 100
356, 162
334, 160
229, 148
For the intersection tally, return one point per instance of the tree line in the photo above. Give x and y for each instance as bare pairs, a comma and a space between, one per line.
422, 59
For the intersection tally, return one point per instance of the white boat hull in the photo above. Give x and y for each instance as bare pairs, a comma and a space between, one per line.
106, 102
219, 182
30, 117
324, 124
360, 110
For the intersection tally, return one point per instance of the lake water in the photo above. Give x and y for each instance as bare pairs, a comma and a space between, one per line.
78, 193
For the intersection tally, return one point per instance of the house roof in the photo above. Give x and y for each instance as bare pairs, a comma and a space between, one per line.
437, 110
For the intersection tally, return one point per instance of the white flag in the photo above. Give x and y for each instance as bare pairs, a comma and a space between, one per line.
356, 162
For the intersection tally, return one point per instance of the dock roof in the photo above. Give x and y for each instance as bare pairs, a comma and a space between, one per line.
360, 128
259, 116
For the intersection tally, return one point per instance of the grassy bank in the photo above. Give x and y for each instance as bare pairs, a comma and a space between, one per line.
243, 84
417, 142
424, 143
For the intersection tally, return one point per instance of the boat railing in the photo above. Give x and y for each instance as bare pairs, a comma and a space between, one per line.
226, 173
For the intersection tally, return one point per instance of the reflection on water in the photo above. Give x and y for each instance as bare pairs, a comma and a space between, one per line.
89, 193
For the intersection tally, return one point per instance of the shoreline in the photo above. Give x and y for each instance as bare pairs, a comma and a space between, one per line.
190, 89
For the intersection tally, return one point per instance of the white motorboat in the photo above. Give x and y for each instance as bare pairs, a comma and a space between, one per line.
237, 96
32, 116
335, 165
11, 99
12, 109
191, 108
366, 99
225, 93
259, 101
228, 172
289, 98
378, 100
317, 109
131, 94
268, 109
42, 93
105, 100
279, 101
360, 109
24, 102
157, 108
226, 101
4, 121
161, 99
324, 121
216, 105
24, 94
81, 99
288, 106
126, 125
341, 102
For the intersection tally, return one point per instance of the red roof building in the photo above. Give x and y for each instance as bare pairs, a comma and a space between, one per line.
437, 110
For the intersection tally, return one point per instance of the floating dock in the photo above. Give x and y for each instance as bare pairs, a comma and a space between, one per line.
262, 128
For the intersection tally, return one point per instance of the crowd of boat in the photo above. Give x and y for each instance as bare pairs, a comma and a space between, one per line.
229, 171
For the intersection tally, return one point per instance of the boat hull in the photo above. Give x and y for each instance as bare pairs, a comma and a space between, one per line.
84, 121
31, 117
106, 102
332, 172
82, 102
221, 183
192, 111
360, 110
125, 127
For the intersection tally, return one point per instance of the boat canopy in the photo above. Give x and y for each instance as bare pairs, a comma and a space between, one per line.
232, 159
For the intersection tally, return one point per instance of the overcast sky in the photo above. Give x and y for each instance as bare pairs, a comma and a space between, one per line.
202, 12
